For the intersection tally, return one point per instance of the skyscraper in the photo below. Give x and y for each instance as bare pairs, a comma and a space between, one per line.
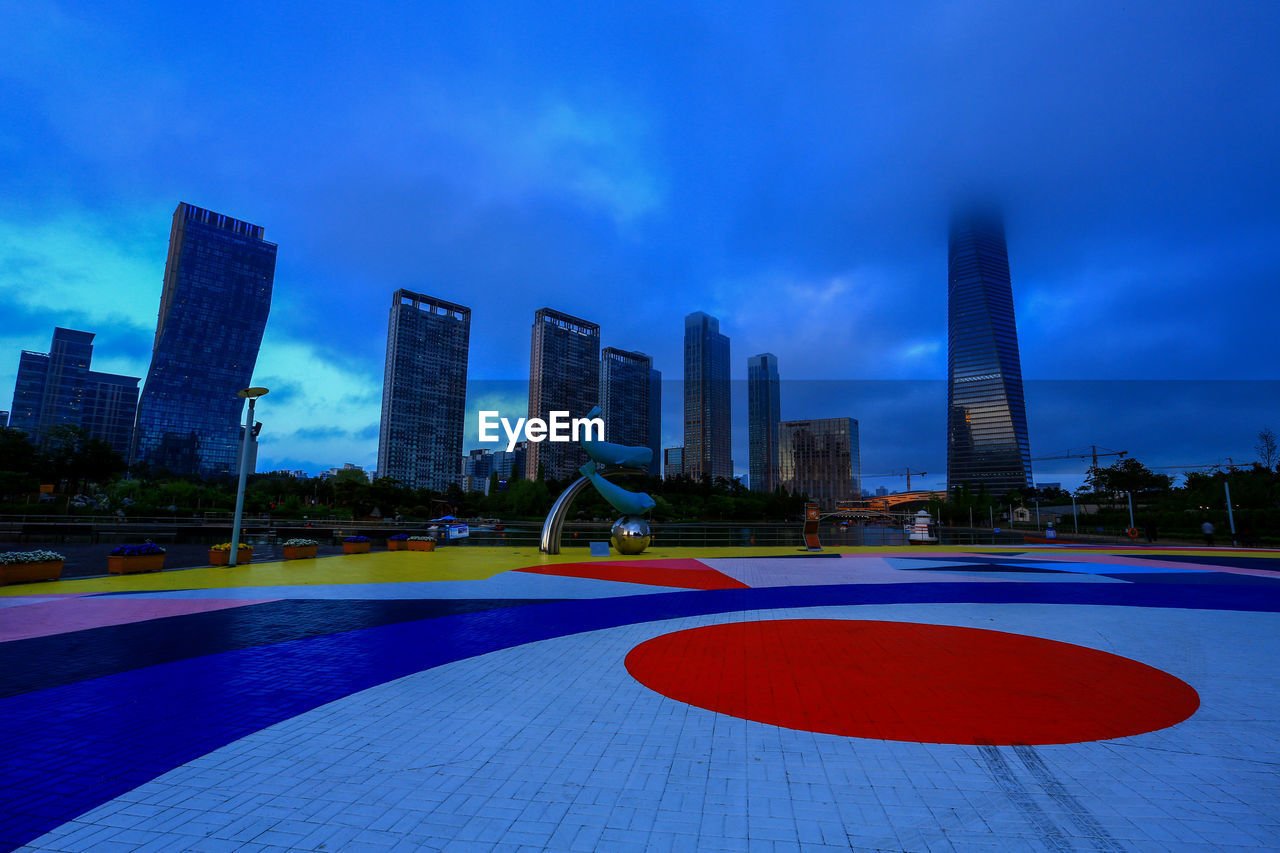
625, 383
987, 442
59, 389
213, 311
655, 422
424, 391
564, 376
821, 458
672, 462
707, 436
764, 410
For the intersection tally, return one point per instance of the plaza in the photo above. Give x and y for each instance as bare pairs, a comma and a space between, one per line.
494, 699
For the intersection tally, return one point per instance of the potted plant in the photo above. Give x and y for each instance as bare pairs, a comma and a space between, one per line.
421, 543
126, 559
220, 555
356, 545
27, 566
298, 549
398, 542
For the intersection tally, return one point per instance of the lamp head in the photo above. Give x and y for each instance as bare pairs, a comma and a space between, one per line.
252, 393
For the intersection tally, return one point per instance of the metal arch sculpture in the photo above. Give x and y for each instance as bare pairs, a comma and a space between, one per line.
630, 534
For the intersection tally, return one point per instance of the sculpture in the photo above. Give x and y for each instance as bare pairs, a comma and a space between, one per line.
630, 534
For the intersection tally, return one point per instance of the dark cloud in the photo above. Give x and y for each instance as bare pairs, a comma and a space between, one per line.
787, 169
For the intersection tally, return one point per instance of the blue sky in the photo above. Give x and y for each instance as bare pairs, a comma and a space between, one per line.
786, 168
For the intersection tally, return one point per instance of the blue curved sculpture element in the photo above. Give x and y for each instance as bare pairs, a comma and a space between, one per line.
608, 454
627, 503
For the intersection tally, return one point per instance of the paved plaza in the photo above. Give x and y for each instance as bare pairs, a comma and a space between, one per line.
485, 699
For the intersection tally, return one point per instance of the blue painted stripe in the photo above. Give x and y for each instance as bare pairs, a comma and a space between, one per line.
70, 748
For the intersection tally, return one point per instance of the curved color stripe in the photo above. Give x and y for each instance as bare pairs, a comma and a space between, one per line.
69, 748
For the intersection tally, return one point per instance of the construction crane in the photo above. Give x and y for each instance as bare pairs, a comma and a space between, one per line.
1084, 454
908, 474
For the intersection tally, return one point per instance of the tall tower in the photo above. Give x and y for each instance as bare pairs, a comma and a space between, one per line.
707, 438
987, 441
213, 311
764, 411
655, 422
624, 396
564, 375
424, 391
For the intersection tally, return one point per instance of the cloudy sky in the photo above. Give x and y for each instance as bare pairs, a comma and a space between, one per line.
788, 168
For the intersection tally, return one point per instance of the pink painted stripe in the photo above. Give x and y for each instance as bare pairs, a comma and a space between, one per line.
77, 614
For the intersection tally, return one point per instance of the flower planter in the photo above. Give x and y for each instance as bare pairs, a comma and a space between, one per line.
355, 547
49, 570
299, 552
138, 563
223, 558
397, 545
422, 546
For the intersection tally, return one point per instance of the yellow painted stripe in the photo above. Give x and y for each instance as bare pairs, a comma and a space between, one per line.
477, 563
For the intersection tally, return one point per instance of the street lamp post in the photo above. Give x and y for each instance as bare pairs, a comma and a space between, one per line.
252, 395
1131, 524
1231, 518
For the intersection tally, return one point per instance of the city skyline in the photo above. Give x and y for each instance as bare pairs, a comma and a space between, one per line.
789, 172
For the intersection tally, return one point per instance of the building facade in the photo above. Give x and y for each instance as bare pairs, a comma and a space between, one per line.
564, 376
764, 411
820, 458
987, 443
58, 388
655, 422
625, 398
424, 391
672, 462
213, 310
707, 399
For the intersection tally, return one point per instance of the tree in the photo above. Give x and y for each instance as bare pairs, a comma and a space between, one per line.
70, 454
1128, 475
1266, 447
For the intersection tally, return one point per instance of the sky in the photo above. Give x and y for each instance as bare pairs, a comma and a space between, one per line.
788, 168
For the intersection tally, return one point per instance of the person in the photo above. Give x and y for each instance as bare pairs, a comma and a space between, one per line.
1207, 530
1151, 531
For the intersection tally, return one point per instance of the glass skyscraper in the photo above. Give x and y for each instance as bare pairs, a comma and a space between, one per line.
655, 422
625, 385
821, 458
764, 411
424, 392
987, 444
706, 399
564, 376
59, 389
213, 311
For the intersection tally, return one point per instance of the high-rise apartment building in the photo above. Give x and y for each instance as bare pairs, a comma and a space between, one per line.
625, 398
764, 411
213, 311
564, 376
707, 437
424, 391
821, 458
987, 444
59, 389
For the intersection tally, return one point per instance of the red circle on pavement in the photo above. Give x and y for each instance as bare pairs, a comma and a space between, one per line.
911, 682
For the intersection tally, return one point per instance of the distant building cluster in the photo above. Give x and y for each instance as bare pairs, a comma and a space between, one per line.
186, 419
